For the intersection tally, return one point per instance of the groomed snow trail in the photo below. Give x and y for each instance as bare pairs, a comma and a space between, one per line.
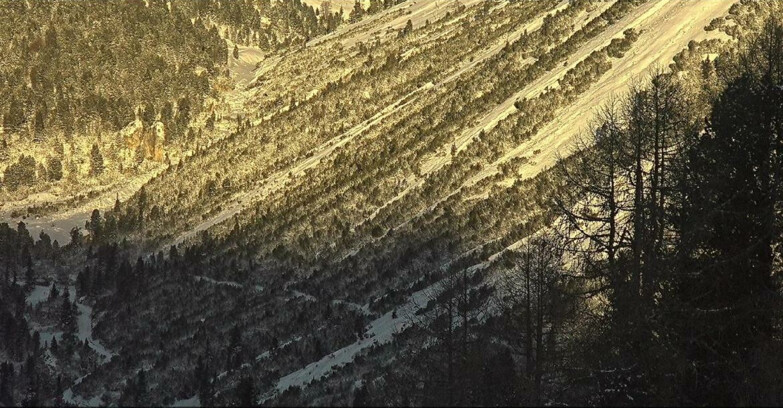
380, 331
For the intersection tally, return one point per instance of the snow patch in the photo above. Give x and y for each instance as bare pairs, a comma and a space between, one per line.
190, 402
39, 294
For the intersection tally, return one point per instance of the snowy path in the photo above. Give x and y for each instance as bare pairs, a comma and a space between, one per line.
380, 331
85, 332
84, 325
190, 402
39, 294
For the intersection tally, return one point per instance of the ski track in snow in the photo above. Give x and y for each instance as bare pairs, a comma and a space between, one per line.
278, 180
665, 27
219, 283
492, 117
380, 331
418, 11
665, 31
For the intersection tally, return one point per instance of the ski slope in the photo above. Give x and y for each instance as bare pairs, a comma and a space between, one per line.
665, 27
380, 331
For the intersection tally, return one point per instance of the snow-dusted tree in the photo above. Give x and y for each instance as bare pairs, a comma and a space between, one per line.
95, 225
96, 161
357, 12
55, 169
246, 393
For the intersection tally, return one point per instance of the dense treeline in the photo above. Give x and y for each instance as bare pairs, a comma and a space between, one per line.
266, 24
24, 375
76, 74
673, 221
125, 79
60, 76
271, 25
263, 150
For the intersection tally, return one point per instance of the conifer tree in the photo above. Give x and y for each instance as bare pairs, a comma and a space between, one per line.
96, 161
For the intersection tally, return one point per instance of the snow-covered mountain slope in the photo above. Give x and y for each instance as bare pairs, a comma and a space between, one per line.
352, 185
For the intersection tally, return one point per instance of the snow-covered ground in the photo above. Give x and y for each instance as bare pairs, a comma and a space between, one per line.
278, 180
85, 332
219, 283
491, 118
39, 294
58, 225
665, 28
71, 398
190, 402
84, 325
380, 331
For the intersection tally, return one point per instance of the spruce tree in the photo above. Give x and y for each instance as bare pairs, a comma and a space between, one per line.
96, 161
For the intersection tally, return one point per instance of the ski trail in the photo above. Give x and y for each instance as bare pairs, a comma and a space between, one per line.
665, 28
491, 118
380, 331
664, 31
273, 183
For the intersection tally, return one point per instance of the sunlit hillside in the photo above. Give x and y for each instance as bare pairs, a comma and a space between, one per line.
412, 203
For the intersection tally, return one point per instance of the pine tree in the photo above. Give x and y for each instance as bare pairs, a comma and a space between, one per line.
361, 397
68, 319
201, 377
730, 226
96, 226
14, 119
246, 393
76, 237
31, 398
54, 293
29, 274
357, 13
234, 349
96, 161
140, 397
55, 167
6, 384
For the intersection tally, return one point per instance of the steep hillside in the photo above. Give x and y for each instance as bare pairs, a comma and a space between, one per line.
82, 110
438, 203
